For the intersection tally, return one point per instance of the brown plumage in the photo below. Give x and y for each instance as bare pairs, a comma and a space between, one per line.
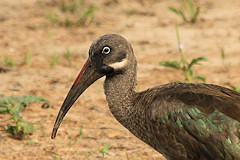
180, 120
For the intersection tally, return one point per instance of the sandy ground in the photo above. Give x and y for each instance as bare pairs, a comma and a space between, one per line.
148, 25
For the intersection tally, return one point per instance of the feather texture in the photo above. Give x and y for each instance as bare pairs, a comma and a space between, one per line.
193, 121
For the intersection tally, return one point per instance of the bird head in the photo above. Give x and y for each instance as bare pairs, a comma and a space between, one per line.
110, 54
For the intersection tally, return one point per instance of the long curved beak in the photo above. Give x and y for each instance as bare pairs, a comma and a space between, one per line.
86, 77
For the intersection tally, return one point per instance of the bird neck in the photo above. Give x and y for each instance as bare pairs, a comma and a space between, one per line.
120, 90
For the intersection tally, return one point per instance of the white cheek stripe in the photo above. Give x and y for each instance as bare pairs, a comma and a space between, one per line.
119, 65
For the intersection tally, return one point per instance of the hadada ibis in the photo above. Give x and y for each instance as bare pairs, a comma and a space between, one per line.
182, 121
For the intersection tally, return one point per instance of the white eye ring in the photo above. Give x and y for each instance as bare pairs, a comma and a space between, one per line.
106, 50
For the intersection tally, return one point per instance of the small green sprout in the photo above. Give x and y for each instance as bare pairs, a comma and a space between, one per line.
69, 6
223, 54
85, 17
72, 13
89, 154
54, 60
183, 64
189, 12
52, 16
104, 151
233, 87
70, 144
8, 61
81, 132
27, 58
68, 56
12, 106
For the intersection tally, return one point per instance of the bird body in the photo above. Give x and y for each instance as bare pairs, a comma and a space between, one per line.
183, 121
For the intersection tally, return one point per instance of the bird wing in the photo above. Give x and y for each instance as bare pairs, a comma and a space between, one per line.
206, 97
201, 118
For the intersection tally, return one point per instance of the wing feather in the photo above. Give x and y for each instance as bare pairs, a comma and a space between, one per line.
202, 117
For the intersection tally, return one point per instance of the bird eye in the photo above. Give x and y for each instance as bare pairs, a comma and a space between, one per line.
106, 50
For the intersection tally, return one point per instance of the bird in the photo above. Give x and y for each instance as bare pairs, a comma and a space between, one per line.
182, 121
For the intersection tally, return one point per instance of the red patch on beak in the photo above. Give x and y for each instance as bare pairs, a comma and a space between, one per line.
86, 65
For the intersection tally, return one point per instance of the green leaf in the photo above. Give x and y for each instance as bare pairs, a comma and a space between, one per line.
26, 99
17, 109
182, 14
11, 129
222, 54
233, 87
188, 12
27, 127
3, 110
203, 79
104, 150
188, 6
190, 72
194, 19
12, 106
174, 10
191, 6
171, 64
196, 61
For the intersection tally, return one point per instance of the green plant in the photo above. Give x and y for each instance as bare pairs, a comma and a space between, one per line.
89, 154
131, 12
70, 144
12, 106
52, 16
233, 87
223, 54
56, 157
54, 60
183, 64
67, 22
189, 12
70, 5
86, 16
68, 55
73, 12
8, 61
127, 156
104, 150
27, 58
81, 132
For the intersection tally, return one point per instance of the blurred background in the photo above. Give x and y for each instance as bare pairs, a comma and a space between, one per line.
44, 44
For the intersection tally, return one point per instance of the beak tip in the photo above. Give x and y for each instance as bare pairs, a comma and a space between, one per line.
53, 136
54, 132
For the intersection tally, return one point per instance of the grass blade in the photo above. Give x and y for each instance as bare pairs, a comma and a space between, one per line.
172, 64
222, 54
196, 61
182, 14
194, 19
174, 10
203, 79
233, 87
